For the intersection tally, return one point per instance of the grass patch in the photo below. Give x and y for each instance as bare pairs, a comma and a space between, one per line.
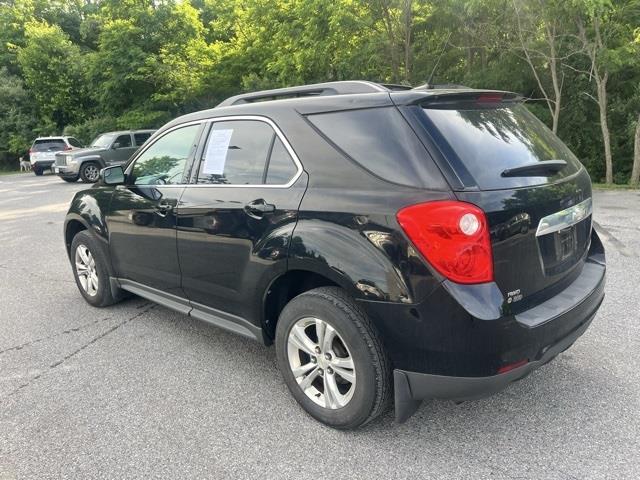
10, 172
614, 186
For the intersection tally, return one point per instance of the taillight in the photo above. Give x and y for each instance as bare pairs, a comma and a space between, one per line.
453, 237
68, 148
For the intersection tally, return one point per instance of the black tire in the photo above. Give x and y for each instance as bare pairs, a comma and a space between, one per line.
38, 171
106, 294
70, 179
87, 172
373, 388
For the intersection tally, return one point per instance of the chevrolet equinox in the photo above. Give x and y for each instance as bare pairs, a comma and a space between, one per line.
394, 243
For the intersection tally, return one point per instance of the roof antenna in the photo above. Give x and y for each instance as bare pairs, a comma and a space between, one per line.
444, 45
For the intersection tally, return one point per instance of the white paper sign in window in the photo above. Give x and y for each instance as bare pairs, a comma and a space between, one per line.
216, 155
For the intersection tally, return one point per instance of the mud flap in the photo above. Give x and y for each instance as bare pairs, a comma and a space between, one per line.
405, 404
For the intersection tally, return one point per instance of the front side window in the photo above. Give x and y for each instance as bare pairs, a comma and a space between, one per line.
123, 141
164, 162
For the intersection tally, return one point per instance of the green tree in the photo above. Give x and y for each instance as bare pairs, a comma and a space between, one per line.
53, 71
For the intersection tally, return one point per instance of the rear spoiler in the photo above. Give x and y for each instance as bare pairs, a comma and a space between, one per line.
455, 98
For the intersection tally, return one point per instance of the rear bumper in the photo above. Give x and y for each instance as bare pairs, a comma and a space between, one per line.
42, 163
411, 387
462, 344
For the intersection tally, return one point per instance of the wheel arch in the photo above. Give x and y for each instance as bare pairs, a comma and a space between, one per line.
286, 287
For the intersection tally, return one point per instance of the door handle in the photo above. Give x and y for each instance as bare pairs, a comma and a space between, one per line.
258, 208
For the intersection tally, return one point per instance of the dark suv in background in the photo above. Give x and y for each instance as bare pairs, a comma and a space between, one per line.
111, 148
393, 243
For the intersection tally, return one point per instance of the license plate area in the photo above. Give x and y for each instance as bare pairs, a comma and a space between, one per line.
562, 249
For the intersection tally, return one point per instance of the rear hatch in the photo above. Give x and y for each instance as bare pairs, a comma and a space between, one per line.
45, 149
534, 191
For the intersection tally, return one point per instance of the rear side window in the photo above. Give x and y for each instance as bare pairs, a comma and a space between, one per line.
380, 140
48, 145
141, 137
281, 168
245, 152
488, 141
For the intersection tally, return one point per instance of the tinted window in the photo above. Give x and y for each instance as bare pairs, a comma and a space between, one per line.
140, 138
48, 145
381, 141
281, 167
236, 153
164, 162
488, 141
73, 142
123, 141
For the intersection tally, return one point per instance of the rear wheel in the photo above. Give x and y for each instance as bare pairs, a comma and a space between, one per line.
91, 270
89, 172
38, 171
332, 359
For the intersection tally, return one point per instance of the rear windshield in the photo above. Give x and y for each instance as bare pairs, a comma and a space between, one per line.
48, 145
488, 141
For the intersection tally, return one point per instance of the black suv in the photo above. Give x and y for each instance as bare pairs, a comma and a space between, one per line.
391, 242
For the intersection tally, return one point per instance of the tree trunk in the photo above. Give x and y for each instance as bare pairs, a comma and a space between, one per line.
635, 171
557, 87
407, 39
604, 126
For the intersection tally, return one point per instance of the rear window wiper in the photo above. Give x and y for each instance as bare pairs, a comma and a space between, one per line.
536, 169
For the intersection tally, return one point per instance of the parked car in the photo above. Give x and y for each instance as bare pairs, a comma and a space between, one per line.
43, 150
350, 224
112, 148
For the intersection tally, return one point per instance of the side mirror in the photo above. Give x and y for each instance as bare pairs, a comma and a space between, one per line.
112, 175
115, 146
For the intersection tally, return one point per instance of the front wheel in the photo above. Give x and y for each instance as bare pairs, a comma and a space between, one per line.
332, 359
38, 171
91, 270
89, 172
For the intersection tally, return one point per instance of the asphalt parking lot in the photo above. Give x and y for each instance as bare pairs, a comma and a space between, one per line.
138, 391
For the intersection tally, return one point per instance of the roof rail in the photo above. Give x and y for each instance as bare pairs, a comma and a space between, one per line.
327, 88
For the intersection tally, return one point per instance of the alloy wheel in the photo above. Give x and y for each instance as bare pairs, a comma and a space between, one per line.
86, 270
91, 173
321, 363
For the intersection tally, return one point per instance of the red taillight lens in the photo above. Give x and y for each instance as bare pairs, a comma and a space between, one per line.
68, 148
453, 237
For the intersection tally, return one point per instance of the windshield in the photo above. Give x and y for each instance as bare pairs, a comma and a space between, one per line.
488, 141
103, 141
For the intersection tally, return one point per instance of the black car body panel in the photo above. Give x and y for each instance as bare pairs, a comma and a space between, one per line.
201, 249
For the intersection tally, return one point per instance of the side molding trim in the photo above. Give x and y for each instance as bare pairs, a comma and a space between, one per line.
206, 314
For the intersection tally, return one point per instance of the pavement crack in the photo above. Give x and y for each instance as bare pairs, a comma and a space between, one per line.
87, 344
54, 335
